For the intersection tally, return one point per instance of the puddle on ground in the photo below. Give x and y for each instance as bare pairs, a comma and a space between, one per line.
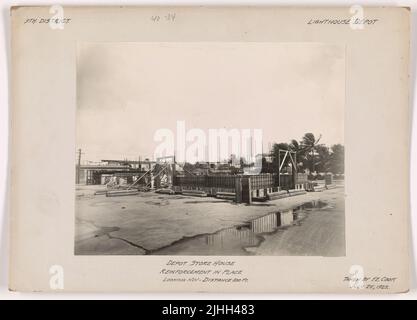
234, 240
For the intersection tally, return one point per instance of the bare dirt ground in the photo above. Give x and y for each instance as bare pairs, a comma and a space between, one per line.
141, 224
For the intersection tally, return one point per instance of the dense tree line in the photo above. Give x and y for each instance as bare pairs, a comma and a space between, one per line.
312, 155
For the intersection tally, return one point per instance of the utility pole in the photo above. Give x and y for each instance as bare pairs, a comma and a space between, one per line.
79, 166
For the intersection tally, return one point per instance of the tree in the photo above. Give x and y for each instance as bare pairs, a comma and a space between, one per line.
294, 145
275, 154
279, 146
337, 159
322, 158
299, 150
309, 140
312, 155
308, 144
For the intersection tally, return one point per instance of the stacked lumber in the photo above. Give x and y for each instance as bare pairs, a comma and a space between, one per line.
319, 188
296, 192
226, 195
260, 199
194, 193
165, 191
331, 186
278, 195
118, 193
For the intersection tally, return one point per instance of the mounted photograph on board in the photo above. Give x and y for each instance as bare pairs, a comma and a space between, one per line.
210, 149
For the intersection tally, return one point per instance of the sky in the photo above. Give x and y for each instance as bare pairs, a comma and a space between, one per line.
126, 92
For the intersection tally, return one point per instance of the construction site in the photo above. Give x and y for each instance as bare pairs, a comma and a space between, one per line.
165, 207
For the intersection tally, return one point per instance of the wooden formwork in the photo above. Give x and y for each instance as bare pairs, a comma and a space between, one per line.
225, 182
262, 181
245, 188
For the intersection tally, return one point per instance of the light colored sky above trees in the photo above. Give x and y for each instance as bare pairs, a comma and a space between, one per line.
127, 91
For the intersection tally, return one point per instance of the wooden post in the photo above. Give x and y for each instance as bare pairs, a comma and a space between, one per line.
174, 171
238, 190
279, 170
249, 192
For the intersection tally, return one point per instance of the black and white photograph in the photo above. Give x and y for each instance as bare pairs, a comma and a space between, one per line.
223, 149
209, 152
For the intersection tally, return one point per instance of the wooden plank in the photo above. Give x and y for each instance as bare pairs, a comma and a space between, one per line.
117, 193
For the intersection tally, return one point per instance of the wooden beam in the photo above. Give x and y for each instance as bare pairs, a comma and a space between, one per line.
162, 170
283, 160
137, 180
292, 160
